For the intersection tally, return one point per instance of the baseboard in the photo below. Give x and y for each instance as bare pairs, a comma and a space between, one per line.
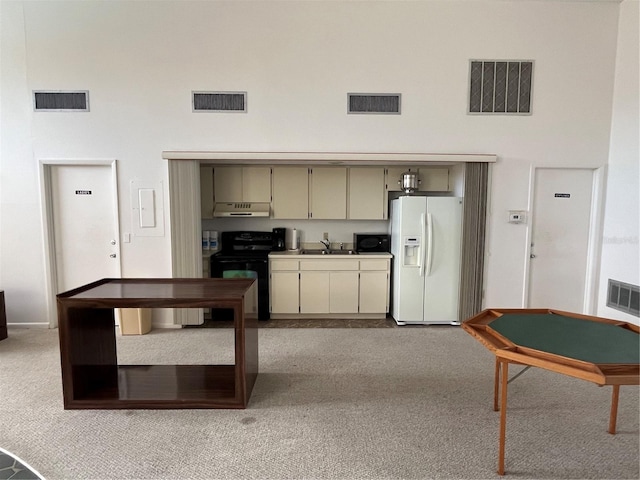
28, 325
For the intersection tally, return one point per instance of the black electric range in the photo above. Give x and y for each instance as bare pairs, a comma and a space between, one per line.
245, 254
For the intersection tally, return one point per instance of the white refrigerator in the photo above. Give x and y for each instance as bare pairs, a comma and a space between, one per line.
426, 234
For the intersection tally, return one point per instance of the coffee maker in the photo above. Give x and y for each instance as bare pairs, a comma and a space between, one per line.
278, 236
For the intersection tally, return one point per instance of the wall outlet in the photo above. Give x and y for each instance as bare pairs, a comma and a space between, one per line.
325, 236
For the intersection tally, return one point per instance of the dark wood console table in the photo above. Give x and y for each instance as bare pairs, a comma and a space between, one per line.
91, 376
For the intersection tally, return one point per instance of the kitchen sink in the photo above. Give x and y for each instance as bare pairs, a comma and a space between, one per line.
330, 252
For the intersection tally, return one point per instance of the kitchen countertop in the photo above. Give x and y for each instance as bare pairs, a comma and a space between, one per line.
296, 253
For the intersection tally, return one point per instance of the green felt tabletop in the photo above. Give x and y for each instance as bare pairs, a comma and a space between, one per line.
586, 340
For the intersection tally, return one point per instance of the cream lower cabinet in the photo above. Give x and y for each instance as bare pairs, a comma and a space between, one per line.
314, 292
330, 287
284, 286
374, 285
329, 292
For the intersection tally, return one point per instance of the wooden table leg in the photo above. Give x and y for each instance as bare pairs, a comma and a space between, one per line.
614, 409
503, 416
496, 386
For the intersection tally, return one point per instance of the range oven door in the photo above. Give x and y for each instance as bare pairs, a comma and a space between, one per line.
246, 268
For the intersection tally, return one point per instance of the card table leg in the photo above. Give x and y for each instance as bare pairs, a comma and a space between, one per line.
503, 416
615, 395
496, 386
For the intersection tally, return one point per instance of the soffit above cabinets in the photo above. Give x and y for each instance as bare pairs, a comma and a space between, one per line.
327, 158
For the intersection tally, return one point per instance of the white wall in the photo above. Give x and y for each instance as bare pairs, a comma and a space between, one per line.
620, 251
297, 61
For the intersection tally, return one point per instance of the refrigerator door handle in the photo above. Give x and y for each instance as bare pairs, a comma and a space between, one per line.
423, 229
429, 244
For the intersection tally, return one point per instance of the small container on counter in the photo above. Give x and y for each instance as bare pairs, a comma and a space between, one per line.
206, 240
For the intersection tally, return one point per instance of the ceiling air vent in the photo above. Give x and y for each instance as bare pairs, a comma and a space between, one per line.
501, 87
219, 101
61, 101
624, 297
375, 103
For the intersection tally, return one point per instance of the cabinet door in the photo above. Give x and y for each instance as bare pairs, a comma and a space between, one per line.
206, 191
374, 292
284, 292
227, 184
367, 196
256, 184
328, 190
343, 292
290, 192
434, 179
314, 292
394, 175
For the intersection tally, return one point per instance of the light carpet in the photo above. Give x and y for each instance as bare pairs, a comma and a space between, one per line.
411, 403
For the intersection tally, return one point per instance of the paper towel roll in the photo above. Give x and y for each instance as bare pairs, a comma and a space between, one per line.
294, 239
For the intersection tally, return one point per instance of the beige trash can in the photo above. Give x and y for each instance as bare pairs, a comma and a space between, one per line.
135, 321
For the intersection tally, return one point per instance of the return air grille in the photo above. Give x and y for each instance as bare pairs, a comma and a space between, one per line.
624, 297
500, 87
380, 103
59, 101
219, 101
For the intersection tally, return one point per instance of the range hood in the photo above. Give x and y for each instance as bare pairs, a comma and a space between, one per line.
241, 209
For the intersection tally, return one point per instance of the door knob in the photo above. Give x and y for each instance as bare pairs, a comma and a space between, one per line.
113, 242
113, 255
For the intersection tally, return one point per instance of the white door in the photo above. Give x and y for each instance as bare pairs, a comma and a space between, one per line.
560, 238
84, 211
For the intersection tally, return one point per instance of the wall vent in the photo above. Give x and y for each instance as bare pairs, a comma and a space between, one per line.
61, 101
501, 87
624, 297
374, 103
219, 101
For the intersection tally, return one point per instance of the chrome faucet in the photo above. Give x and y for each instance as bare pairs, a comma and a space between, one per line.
326, 244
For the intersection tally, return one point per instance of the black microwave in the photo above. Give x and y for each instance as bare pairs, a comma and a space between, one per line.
371, 242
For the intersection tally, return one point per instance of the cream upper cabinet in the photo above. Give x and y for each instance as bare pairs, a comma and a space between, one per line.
206, 191
394, 174
227, 183
328, 193
367, 196
290, 187
432, 179
256, 184
242, 184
